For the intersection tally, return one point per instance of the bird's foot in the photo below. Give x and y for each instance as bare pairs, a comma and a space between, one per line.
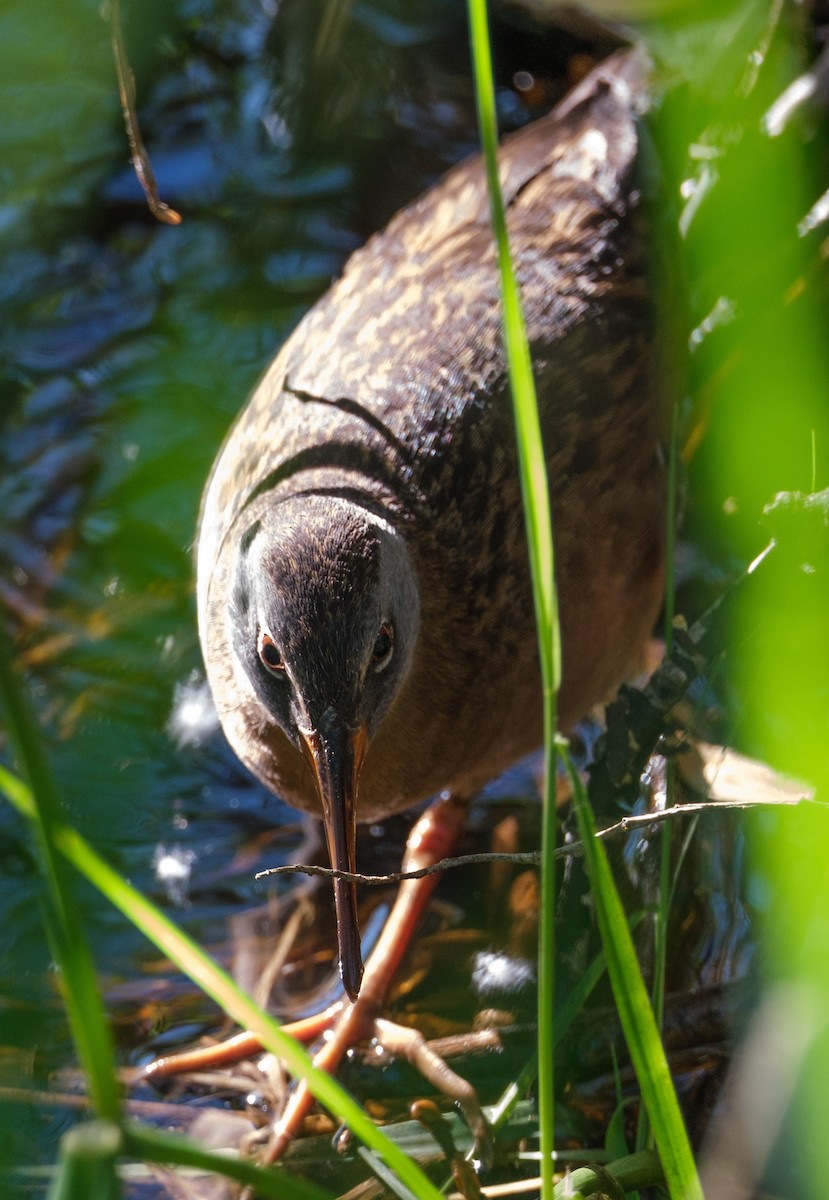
395, 1039
432, 838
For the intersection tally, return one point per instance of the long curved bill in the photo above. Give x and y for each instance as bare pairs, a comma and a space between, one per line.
336, 756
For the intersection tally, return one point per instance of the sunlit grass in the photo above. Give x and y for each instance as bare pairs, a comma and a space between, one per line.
538, 521
772, 409
763, 381
64, 927
639, 1026
40, 804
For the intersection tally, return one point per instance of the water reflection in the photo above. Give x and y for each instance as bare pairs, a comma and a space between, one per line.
193, 719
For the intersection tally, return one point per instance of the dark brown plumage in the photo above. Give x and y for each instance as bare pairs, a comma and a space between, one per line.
363, 580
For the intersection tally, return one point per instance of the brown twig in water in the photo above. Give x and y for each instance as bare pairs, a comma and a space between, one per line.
529, 859
138, 156
533, 858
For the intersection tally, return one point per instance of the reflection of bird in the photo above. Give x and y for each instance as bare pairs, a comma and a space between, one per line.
364, 600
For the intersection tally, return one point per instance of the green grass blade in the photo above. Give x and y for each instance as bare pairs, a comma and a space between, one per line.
531, 462
533, 476
275, 1183
635, 1012
191, 959
663, 908
70, 948
575, 1003
89, 1154
87, 1166
635, 1171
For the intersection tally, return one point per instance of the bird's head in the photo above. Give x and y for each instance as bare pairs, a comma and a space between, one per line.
324, 616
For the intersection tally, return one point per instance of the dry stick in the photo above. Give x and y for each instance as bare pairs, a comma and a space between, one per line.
126, 90
532, 858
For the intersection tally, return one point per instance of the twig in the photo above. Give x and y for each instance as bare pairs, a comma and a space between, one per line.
532, 858
126, 90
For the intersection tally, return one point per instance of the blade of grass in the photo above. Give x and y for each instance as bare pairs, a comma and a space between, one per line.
89, 1154
635, 1012
662, 913
635, 1171
275, 1183
87, 1164
576, 1001
565, 1017
533, 475
69, 946
191, 959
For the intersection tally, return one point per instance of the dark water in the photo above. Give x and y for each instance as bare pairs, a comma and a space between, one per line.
125, 350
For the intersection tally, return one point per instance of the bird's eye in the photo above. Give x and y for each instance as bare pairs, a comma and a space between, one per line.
269, 654
381, 654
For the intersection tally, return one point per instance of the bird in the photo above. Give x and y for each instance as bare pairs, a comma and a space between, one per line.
364, 598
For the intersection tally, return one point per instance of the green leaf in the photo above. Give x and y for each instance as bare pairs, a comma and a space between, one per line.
191, 959
538, 519
69, 945
635, 1012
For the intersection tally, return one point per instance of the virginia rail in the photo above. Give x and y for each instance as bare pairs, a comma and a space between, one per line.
364, 599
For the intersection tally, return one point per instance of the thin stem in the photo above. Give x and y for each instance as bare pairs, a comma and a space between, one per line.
533, 475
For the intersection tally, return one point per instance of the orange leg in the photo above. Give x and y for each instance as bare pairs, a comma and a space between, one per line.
433, 837
240, 1046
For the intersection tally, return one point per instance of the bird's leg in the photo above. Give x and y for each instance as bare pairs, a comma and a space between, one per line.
240, 1046
432, 838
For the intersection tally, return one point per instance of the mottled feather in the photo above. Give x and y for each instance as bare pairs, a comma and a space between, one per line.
391, 399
